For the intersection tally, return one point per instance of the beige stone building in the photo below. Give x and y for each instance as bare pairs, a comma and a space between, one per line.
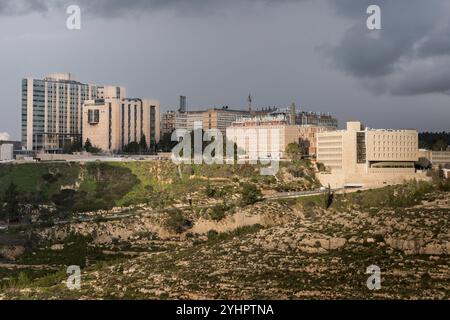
263, 137
362, 156
440, 158
280, 133
111, 124
308, 138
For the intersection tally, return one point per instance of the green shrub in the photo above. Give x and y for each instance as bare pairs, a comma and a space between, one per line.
218, 212
176, 222
250, 194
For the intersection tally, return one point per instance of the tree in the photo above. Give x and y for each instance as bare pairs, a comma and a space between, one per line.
250, 194
293, 151
72, 146
11, 198
166, 144
90, 148
143, 144
132, 147
88, 145
440, 145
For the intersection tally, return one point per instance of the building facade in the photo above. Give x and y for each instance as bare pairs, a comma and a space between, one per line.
111, 124
52, 110
168, 122
308, 138
222, 118
213, 118
316, 119
360, 154
359, 150
111, 92
263, 136
440, 158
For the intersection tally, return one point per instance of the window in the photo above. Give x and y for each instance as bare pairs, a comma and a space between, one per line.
94, 116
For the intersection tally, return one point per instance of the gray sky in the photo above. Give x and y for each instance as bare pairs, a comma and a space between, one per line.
317, 53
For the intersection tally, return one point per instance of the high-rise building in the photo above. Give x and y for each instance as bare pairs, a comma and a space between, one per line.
111, 124
52, 110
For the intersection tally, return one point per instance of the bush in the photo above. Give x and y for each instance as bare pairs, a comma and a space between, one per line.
250, 194
212, 235
176, 222
219, 211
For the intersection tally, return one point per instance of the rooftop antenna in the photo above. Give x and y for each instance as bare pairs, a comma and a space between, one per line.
250, 99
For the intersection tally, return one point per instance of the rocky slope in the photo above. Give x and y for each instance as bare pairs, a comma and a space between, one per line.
285, 249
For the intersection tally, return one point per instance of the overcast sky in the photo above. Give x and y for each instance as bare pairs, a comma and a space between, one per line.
317, 53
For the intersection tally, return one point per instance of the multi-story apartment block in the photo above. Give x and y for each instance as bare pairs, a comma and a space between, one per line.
111, 124
52, 110
358, 153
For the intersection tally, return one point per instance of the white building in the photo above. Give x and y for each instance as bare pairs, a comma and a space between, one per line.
6, 152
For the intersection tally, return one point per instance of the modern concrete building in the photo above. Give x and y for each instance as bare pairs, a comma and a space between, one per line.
111, 124
358, 155
52, 110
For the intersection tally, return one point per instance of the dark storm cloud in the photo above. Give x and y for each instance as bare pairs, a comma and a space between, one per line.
117, 8
17, 7
403, 57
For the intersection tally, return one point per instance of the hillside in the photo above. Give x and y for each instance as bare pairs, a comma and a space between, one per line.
272, 249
